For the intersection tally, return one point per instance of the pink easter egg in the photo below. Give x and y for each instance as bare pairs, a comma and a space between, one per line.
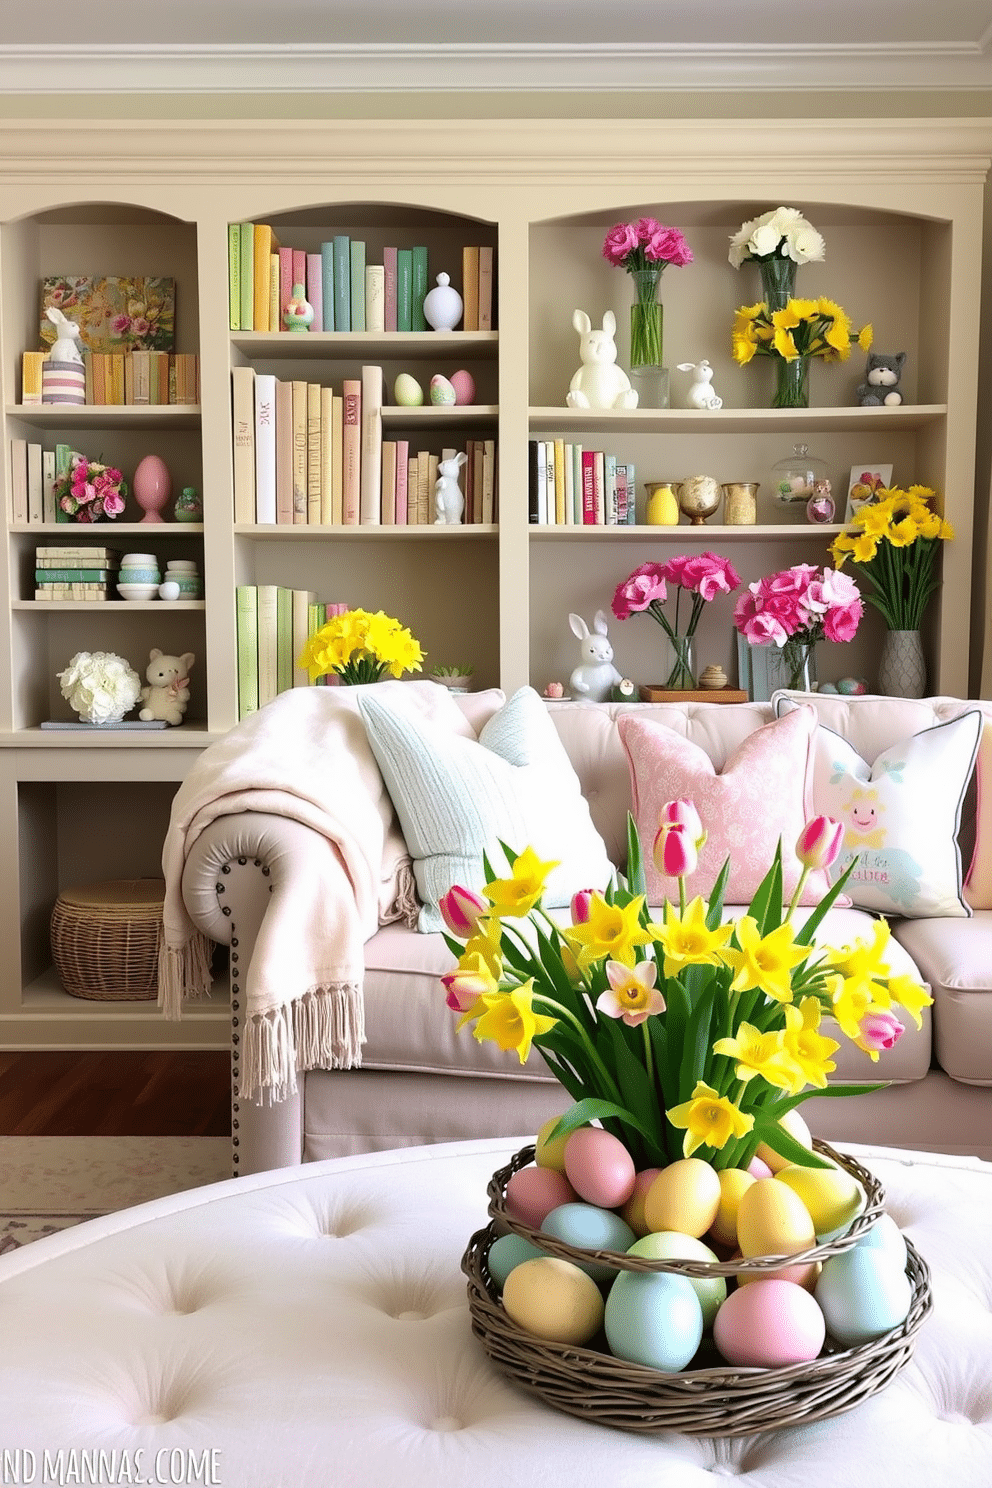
768, 1325
758, 1168
464, 385
532, 1193
599, 1167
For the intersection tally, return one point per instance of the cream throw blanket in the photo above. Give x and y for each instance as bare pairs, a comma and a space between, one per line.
304, 756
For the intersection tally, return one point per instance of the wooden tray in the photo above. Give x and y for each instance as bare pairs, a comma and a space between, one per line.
651, 694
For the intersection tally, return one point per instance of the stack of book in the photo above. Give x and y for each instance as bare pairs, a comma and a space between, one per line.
306, 454
75, 572
119, 378
346, 292
33, 475
273, 624
573, 486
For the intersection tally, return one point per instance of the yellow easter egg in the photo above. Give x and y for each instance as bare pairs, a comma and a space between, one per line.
548, 1154
553, 1299
773, 1220
796, 1127
407, 391
685, 1197
832, 1195
733, 1183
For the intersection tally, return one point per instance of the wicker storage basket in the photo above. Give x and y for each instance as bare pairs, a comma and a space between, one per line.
105, 939
715, 1399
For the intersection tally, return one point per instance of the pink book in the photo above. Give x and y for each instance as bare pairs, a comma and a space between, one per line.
299, 266
315, 290
589, 488
402, 475
389, 308
351, 444
285, 280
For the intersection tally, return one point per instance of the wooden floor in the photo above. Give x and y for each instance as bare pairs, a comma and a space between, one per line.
122, 1093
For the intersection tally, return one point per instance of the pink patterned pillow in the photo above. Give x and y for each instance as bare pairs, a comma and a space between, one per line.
760, 796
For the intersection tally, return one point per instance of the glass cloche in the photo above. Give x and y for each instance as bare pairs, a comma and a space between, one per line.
794, 477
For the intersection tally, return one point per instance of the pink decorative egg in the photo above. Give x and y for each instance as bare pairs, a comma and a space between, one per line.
464, 385
768, 1325
599, 1167
532, 1193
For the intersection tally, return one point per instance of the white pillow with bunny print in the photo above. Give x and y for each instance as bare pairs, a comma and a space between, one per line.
901, 814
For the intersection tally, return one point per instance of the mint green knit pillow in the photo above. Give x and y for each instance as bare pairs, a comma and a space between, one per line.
457, 798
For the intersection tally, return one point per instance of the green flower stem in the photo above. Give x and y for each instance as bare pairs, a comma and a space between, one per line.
585, 1040
648, 1054
797, 895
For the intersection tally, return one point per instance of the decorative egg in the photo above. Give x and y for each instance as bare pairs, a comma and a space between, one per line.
632, 1212
796, 1127
733, 1182
653, 1318
769, 1325
553, 1299
863, 1293
407, 391
532, 1193
685, 1197
548, 1154
443, 305
885, 1235
773, 1220
758, 1168
168, 590
668, 1245
506, 1253
442, 393
599, 1167
852, 686
464, 385
589, 1228
832, 1196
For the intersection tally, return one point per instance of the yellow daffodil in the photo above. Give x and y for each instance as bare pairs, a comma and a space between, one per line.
510, 1021
516, 896
759, 1053
360, 646
487, 942
809, 1050
766, 961
838, 332
632, 994
609, 931
709, 1119
862, 963
910, 995
685, 939
866, 336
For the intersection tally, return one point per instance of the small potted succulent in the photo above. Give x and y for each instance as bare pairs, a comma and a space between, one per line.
456, 678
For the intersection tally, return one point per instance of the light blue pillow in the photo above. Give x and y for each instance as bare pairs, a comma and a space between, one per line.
457, 798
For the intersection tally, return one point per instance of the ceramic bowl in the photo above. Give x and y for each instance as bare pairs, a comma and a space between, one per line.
139, 560
190, 587
137, 591
181, 566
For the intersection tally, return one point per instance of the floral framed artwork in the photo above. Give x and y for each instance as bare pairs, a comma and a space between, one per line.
863, 487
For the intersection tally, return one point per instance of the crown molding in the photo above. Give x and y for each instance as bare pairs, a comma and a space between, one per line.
498, 68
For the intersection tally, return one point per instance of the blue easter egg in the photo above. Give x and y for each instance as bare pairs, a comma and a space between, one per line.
863, 1294
589, 1228
508, 1252
654, 1318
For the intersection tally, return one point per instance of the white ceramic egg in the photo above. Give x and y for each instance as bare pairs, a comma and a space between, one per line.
407, 391
168, 590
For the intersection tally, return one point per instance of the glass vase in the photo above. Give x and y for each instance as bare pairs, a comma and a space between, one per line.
682, 677
647, 320
778, 281
798, 664
791, 382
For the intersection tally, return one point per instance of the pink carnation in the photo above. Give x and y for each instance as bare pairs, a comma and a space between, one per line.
667, 245
620, 241
637, 592
113, 503
709, 575
841, 624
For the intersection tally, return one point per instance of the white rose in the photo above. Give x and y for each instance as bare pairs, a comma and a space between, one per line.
739, 244
804, 244
765, 240
100, 686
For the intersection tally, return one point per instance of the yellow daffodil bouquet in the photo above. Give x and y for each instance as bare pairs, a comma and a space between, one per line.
361, 647
802, 330
893, 542
684, 1034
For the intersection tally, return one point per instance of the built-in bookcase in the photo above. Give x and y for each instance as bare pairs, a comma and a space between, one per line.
902, 224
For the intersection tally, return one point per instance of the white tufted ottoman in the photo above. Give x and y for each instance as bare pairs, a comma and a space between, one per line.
308, 1328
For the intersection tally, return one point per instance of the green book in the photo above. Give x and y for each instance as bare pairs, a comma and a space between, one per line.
357, 286
284, 639
419, 289
246, 616
342, 282
404, 289
234, 273
247, 275
73, 575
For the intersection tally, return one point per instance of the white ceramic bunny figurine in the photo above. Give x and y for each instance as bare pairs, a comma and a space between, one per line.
599, 382
595, 676
64, 348
700, 394
449, 503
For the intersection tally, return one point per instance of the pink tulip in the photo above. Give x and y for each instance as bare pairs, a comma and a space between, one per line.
461, 911
819, 842
581, 906
879, 1030
675, 853
466, 984
685, 812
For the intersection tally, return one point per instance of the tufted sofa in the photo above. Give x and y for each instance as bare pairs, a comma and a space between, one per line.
421, 1082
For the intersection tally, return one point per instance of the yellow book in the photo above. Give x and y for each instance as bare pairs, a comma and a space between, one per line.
115, 389
265, 243
559, 456
470, 288
31, 365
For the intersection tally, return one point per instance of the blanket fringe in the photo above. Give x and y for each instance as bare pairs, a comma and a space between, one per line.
184, 972
323, 1029
405, 905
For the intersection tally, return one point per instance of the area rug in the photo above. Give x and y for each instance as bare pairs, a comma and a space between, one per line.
50, 1183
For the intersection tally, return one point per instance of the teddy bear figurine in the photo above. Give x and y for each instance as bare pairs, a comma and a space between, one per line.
881, 385
167, 693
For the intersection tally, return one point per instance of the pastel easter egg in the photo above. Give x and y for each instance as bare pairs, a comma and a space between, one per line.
863, 1294
667, 1245
464, 385
507, 1253
733, 1183
553, 1299
832, 1196
532, 1193
685, 1197
773, 1220
407, 391
769, 1325
589, 1228
632, 1212
547, 1153
885, 1235
796, 1127
653, 1318
442, 393
599, 1167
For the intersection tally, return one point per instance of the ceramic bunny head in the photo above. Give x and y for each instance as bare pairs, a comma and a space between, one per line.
599, 382
65, 348
595, 676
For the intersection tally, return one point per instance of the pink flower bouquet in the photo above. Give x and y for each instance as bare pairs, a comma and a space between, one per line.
645, 244
91, 492
795, 608
703, 575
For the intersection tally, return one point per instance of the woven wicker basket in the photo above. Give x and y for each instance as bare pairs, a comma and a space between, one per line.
714, 1399
105, 939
